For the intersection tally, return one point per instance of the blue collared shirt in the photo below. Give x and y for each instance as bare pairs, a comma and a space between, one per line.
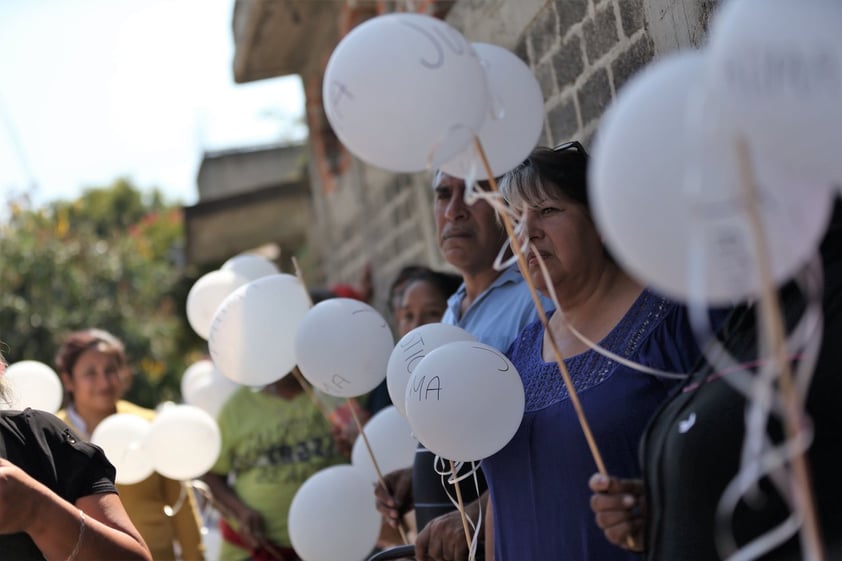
499, 314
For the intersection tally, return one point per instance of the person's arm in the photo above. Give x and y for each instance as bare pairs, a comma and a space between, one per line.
443, 538
95, 528
395, 501
186, 521
249, 521
620, 509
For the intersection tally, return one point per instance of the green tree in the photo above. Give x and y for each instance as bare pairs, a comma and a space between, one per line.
109, 260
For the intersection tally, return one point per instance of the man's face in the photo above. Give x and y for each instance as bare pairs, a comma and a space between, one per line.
469, 236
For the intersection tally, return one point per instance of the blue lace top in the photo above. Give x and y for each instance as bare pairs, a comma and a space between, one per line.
539, 480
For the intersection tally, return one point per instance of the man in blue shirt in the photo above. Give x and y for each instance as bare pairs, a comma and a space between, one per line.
493, 306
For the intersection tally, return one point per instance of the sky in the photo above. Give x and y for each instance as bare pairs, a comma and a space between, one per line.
93, 90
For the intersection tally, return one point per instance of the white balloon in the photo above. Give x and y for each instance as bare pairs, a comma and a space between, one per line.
121, 436
343, 346
464, 401
666, 194
204, 386
252, 334
33, 384
512, 129
183, 442
775, 66
333, 516
391, 443
409, 351
404, 91
250, 266
207, 294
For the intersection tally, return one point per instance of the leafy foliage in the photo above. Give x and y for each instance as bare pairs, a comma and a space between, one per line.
108, 259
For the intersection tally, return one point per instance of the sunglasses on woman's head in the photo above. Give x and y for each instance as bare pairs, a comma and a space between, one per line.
573, 145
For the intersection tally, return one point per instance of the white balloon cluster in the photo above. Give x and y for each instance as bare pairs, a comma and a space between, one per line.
409, 352
183, 442
252, 332
406, 92
666, 183
464, 401
204, 386
207, 293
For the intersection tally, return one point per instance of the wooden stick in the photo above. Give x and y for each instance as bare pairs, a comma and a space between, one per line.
774, 329
461, 505
516, 248
401, 525
310, 393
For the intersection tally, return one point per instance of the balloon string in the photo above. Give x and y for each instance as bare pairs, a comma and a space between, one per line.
171, 511
774, 329
461, 505
454, 480
571, 390
380, 478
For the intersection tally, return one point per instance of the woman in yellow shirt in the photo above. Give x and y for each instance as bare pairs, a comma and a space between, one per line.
94, 369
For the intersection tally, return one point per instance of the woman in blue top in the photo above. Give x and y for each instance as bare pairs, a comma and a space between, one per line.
539, 480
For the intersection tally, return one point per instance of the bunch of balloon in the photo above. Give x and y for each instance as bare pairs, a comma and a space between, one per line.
253, 330
409, 352
407, 92
209, 291
667, 196
464, 401
204, 386
713, 177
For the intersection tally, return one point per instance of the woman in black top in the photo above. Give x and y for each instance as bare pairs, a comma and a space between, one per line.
693, 449
57, 495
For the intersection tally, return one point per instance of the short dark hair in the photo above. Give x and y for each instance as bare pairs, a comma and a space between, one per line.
444, 283
403, 276
549, 173
77, 342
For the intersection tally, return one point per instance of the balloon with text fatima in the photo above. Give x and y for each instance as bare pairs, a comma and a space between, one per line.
342, 347
250, 265
669, 198
31, 383
252, 334
332, 516
409, 351
515, 120
121, 436
391, 441
405, 92
183, 442
207, 294
775, 67
204, 386
464, 401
